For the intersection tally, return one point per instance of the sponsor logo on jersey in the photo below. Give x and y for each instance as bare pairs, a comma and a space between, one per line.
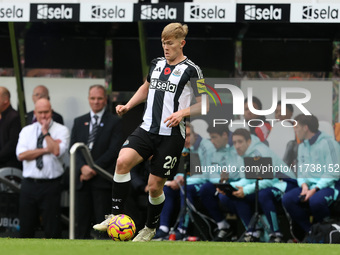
163, 85
167, 173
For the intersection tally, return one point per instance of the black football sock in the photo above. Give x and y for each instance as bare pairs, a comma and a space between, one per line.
155, 206
120, 191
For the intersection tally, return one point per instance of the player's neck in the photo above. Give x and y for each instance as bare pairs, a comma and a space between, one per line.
176, 60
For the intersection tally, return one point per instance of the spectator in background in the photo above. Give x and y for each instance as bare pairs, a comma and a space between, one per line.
102, 132
318, 155
258, 125
289, 112
10, 127
41, 147
42, 92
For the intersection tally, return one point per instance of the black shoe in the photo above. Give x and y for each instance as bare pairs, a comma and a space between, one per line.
160, 235
249, 238
223, 235
275, 238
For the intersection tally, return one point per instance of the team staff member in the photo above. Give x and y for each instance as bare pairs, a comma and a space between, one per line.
101, 131
318, 156
41, 147
162, 132
10, 127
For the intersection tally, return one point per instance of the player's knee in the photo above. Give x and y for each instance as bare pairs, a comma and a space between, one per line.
122, 166
155, 190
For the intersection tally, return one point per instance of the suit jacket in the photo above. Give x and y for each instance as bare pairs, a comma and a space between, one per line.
105, 147
10, 128
55, 116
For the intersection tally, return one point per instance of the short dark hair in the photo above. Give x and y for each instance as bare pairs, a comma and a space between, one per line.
243, 132
288, 106
256, 101
218, 129
308, 120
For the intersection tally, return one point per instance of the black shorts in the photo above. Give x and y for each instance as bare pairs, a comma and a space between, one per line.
166, 151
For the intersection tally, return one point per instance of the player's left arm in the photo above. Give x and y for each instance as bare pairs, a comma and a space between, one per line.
174, 119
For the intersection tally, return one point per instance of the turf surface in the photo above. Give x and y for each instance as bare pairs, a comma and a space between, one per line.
13, 246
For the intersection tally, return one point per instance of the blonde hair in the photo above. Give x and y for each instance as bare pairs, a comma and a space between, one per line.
176, 30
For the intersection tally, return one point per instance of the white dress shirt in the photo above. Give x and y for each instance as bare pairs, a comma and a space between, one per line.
53, 165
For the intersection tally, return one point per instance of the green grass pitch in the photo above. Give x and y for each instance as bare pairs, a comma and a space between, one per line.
13, 246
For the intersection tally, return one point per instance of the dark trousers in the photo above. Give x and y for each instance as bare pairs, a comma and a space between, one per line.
92, 204
317, 205
40, 199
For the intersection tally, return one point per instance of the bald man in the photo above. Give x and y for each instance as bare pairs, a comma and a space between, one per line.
41, 91
10, 127
41, 147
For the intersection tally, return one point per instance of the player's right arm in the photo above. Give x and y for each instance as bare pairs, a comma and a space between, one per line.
139, 97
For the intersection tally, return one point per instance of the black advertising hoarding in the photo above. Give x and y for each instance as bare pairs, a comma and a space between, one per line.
54, 12
263, 13
171, 12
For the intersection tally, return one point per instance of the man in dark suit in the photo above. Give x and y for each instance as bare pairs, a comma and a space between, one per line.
10, 127
102, 132
42, 92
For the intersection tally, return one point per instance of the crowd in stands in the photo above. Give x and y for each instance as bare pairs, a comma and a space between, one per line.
303, 189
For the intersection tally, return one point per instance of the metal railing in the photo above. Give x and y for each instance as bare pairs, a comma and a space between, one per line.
89, 161
11, 172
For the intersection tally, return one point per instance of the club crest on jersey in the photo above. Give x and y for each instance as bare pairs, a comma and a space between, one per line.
163, 85
177, 73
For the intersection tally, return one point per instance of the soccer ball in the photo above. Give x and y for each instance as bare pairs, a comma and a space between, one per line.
121, 228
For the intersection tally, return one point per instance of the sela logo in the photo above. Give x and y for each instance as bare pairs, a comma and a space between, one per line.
253, 12
238, 100
11, 12
198, 12
45, 11
310, 13
163, 85
150, 12
98, 12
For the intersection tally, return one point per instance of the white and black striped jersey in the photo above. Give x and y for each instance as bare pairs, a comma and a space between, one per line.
169, 91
